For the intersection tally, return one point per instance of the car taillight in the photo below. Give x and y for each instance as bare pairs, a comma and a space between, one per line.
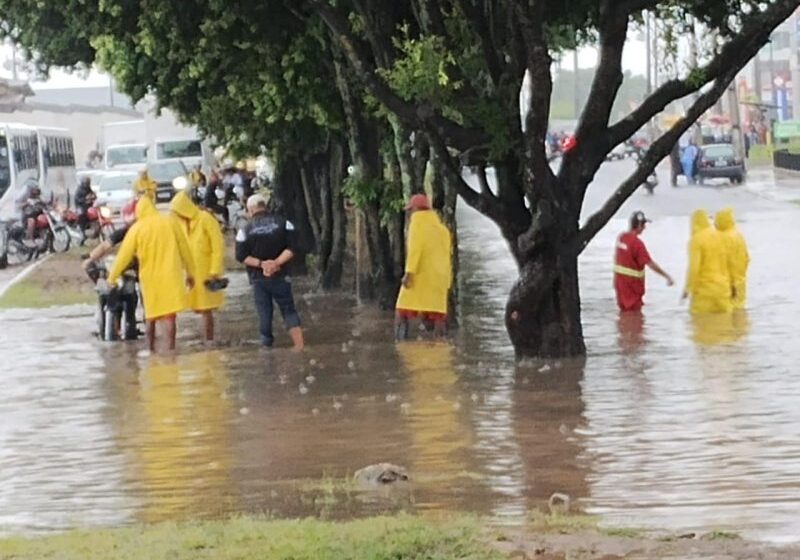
703, 163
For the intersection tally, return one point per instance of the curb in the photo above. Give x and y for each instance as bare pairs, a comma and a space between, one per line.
23, 274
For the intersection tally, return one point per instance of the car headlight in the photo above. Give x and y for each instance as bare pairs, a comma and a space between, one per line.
106, 212
180, 183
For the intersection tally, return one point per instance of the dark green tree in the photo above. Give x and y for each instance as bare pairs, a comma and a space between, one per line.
454, 68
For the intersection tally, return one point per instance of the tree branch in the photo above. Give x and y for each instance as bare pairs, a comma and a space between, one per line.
540, 180
755, 32
414, 116
479, 25
484, 202
658, 151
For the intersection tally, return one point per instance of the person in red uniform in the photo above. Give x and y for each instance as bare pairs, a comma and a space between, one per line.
629, 262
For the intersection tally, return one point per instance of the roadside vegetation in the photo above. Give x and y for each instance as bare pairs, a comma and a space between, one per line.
59, 281
405, 537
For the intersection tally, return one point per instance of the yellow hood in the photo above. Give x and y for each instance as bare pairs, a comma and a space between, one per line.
724, 220
183, 206
145, 208
700, 221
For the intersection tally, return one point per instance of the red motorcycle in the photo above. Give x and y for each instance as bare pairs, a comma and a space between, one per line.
98, 224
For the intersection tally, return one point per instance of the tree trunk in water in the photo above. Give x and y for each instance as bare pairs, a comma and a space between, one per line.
444, 200
289, 202
332, 275
543, 313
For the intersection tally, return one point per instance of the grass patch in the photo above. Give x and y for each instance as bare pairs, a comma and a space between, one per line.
31, 294
409, 538
721, 536
578, 523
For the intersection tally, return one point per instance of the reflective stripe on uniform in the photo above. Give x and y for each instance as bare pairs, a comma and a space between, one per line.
625, 271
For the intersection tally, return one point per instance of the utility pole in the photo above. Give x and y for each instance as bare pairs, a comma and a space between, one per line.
655, 51
647, 53
13, 60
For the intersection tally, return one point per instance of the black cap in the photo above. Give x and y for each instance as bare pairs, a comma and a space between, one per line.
638, 218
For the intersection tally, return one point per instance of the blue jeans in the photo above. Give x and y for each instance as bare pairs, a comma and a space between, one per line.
279, 290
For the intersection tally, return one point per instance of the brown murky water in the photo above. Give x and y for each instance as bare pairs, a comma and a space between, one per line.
670, 423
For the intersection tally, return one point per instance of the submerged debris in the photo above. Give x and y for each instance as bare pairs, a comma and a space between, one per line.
381, 474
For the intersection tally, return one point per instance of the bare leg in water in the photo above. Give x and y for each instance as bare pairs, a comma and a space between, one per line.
151, 335
296, 333
208, 324
172, 330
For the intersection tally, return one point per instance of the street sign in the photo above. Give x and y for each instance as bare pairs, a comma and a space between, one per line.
787, 129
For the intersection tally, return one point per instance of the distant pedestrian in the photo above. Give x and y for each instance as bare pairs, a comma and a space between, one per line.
630, 260
266, 245
208, 252
428, 272
689, 161
708, 281
166, 267
738, 255
145, 186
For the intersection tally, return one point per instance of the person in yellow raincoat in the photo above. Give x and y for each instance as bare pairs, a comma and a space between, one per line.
208, 251
166, 267
708, 281
144, 186
738, 256
428, 273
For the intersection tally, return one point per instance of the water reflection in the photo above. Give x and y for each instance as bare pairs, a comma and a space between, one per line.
176, 428
711, 329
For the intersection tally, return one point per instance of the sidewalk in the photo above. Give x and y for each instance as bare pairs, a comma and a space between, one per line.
775, 185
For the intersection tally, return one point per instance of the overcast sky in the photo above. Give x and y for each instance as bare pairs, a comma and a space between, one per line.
633, 59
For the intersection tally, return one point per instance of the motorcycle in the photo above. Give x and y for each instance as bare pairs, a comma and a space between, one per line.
98, 224
651, 182
50, 235
116, 305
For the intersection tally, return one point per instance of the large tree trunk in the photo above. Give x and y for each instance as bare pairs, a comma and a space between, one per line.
543, 313
332, 274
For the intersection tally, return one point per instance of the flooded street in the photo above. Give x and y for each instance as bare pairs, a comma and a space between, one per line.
670, 423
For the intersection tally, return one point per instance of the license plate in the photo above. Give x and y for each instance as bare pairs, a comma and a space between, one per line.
721, 163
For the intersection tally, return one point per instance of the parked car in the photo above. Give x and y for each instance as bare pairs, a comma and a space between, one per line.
719, 161
163, 173
115, 189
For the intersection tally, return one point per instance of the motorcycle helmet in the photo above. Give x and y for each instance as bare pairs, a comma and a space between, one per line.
92, 214
129, 212
41, 222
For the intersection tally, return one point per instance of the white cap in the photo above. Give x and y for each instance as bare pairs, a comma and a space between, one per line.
256, 201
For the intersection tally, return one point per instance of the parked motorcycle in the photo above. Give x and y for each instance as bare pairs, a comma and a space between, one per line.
98, 224
116, 305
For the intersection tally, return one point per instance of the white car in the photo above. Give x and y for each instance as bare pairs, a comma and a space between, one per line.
115, 189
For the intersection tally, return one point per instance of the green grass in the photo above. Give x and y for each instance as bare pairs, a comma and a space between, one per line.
31, 294
579, 523
382, 538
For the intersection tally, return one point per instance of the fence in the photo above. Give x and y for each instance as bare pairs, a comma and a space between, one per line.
785, 159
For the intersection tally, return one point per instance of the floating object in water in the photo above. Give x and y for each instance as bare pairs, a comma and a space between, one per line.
337, 405
244, 411
310, 379
544, 368
381, 474
303, 389
405, 408
391, 397
558, 503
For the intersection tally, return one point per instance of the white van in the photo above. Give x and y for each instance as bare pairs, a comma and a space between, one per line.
191, 151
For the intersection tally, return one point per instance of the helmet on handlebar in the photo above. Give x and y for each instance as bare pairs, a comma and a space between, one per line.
41, 222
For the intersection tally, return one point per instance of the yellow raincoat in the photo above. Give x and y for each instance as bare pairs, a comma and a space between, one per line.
163, 252
708, 280
738, 256
428, 261
208, 250
145, 186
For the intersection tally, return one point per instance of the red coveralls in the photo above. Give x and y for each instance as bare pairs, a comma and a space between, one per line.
629, 262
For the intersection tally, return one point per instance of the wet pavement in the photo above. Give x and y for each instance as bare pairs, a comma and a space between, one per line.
670, 423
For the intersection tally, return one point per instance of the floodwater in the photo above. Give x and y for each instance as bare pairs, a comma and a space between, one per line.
670, 423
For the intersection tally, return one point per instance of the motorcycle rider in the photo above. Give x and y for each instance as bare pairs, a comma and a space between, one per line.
211, 200
85, 198
30, 206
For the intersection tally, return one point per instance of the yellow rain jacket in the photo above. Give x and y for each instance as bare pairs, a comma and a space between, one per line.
708, 281
428, 261
208, 250
163, 252
738, 256
145, 186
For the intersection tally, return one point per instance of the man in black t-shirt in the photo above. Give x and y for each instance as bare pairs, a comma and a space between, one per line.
266, 245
